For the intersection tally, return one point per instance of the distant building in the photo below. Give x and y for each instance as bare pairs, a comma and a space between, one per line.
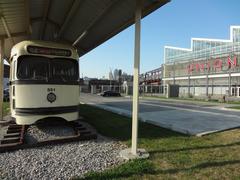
127, 77
98, 85
100, 82
117, 75
95, 85
111, 75
153, 77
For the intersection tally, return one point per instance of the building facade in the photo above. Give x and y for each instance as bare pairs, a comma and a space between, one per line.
211, 67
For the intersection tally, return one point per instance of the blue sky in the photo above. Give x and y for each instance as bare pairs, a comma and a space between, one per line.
174, 24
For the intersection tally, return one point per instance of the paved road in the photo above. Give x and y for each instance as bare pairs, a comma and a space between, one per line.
185, 117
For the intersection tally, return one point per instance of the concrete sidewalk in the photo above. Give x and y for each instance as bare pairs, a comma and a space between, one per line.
185, 123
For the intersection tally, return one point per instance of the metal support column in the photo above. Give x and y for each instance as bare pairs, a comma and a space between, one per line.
1, 78
189, 86
212, 86
174, 81
134, 152
164, 81
126, 90
207, 82
229, 84
194, 81
138, 15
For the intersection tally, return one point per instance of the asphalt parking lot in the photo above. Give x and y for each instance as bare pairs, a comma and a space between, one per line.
188, 118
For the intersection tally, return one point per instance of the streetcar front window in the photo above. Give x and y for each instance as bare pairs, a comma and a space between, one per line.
64, 70
33, 68
56, 70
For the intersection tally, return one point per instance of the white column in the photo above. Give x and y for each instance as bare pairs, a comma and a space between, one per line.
138, 15
164, 76
229, 83
207, 82
1, 78
189, 83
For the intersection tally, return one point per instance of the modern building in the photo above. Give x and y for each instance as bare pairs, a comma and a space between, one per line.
117, 73
210, 68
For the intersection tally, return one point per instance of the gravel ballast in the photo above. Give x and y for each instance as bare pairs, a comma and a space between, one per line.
39, 133
61, 161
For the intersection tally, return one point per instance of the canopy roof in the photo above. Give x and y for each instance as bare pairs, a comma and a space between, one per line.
83, 23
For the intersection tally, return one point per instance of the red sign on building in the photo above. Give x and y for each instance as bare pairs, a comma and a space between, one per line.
217, 65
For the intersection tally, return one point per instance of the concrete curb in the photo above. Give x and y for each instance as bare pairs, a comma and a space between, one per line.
229, 109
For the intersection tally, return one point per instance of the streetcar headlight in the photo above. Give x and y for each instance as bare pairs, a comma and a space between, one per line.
51, 97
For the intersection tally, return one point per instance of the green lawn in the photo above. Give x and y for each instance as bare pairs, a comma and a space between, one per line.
234, 107
172, 155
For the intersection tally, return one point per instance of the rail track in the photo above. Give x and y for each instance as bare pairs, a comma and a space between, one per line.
14, 136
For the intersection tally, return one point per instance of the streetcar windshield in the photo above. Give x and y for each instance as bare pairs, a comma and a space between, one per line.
33, 68
64, 70
49, 69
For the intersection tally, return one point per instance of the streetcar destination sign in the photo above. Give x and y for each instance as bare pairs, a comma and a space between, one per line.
49, 51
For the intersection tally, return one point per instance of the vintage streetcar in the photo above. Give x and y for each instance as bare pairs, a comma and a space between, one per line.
44, 82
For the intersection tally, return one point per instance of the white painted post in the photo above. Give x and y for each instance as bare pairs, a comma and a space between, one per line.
189, 83
126, 90
1, 78
164, 81
207, 82
138, 14
229, 83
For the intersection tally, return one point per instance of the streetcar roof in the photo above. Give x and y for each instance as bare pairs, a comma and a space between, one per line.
86, 24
